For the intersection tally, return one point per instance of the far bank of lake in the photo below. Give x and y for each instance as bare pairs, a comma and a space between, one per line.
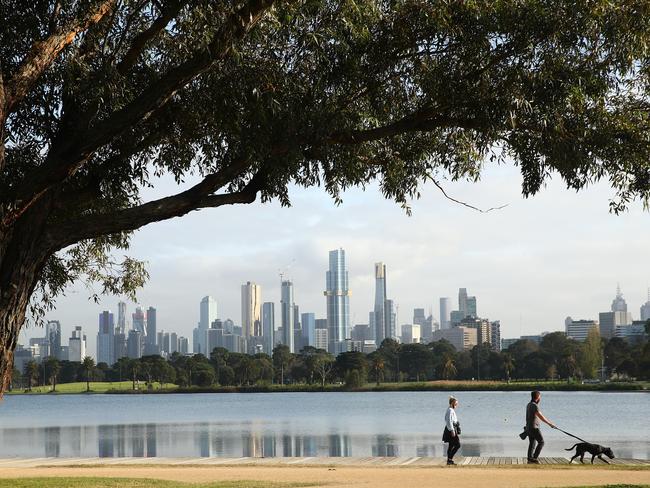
126, 387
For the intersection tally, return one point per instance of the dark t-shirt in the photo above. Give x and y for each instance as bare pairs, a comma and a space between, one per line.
532, 422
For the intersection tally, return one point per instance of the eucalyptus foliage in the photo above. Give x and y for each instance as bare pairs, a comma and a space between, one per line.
97, 97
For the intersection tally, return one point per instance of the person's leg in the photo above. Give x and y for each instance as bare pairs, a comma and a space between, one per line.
532, 440
540, 443
454, 445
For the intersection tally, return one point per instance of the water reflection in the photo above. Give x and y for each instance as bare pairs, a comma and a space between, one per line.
213, 439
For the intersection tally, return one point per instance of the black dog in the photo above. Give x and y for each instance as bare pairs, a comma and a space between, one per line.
593, 449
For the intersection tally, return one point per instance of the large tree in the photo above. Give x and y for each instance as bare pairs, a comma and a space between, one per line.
97, 97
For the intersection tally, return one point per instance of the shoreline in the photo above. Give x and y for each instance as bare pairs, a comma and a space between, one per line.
435, 386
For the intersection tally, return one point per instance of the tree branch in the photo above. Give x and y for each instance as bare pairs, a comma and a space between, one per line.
199, 196
44, 53
463, 203
421, 121
64, 160
170, 11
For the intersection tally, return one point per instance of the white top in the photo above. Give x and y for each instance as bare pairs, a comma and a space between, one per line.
450, 418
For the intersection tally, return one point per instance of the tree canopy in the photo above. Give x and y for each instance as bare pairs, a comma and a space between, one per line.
97, 97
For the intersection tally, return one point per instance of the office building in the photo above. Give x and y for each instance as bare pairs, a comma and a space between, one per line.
483, 328
251, 310
579, 329
391, 319
645, 308
52, 343
462, 338
105, 338
411, 334
337, 295
634, 333
207, 315
361, 332
462, 301
119, 344
609, 321
268, 326
183, 345
173, 343
134, 344
619, 304
287, 310
445, 313
151, 343
471, 307
308, 327
506, 343
77, 346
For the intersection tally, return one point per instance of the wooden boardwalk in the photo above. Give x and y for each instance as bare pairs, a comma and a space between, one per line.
301, 461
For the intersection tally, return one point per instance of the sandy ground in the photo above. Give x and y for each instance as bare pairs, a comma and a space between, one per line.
375, 477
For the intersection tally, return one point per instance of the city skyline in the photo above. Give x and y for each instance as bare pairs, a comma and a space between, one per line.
534, 266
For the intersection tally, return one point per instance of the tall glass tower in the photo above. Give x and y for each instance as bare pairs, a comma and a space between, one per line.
379, 313
337, 296
287, 309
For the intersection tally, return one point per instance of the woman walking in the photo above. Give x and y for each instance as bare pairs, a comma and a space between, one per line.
452, 431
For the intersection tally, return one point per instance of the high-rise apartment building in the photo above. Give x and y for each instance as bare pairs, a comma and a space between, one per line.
391, 319
462, 338
134, 344
337, 295
151, 344
251, 310
183, 345
121, 317
445, 313
268, 326
105, 338
287, 309
411, 333
173, 343
378, 318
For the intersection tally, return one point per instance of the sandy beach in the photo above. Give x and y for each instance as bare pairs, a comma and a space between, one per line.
347, 476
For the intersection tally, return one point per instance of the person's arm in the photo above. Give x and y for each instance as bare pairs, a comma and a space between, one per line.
539, 415
449, 423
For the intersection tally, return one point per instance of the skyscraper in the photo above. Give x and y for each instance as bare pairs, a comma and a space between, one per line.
645, 308
391, 320
619, 304
379, 312
77, 346
151, 344
121, 317
105, 338
286, 306
462, 301
139, 321
337, 299
308, 325
268, 326
52, 341
207, 314
471, 307
251, 310
445, 313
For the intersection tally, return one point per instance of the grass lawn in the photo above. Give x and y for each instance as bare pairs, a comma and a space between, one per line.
135, 483
95, 387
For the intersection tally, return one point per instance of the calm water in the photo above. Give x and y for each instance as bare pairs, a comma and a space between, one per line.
311, 424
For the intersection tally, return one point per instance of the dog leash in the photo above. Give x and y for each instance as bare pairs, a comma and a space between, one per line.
574, 436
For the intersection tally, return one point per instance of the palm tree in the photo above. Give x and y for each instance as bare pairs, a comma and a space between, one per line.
54, 366
89, 365
449, 367
31, 372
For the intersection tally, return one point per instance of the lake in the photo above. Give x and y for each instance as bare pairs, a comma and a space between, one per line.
312, 424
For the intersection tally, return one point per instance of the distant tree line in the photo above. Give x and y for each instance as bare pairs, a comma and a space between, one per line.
556, 357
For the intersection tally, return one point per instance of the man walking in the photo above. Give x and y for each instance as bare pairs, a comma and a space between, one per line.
533, 416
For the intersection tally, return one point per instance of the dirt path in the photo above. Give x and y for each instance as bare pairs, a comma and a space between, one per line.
359, 477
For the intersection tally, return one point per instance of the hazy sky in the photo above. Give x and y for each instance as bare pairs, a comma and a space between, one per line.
530, 264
